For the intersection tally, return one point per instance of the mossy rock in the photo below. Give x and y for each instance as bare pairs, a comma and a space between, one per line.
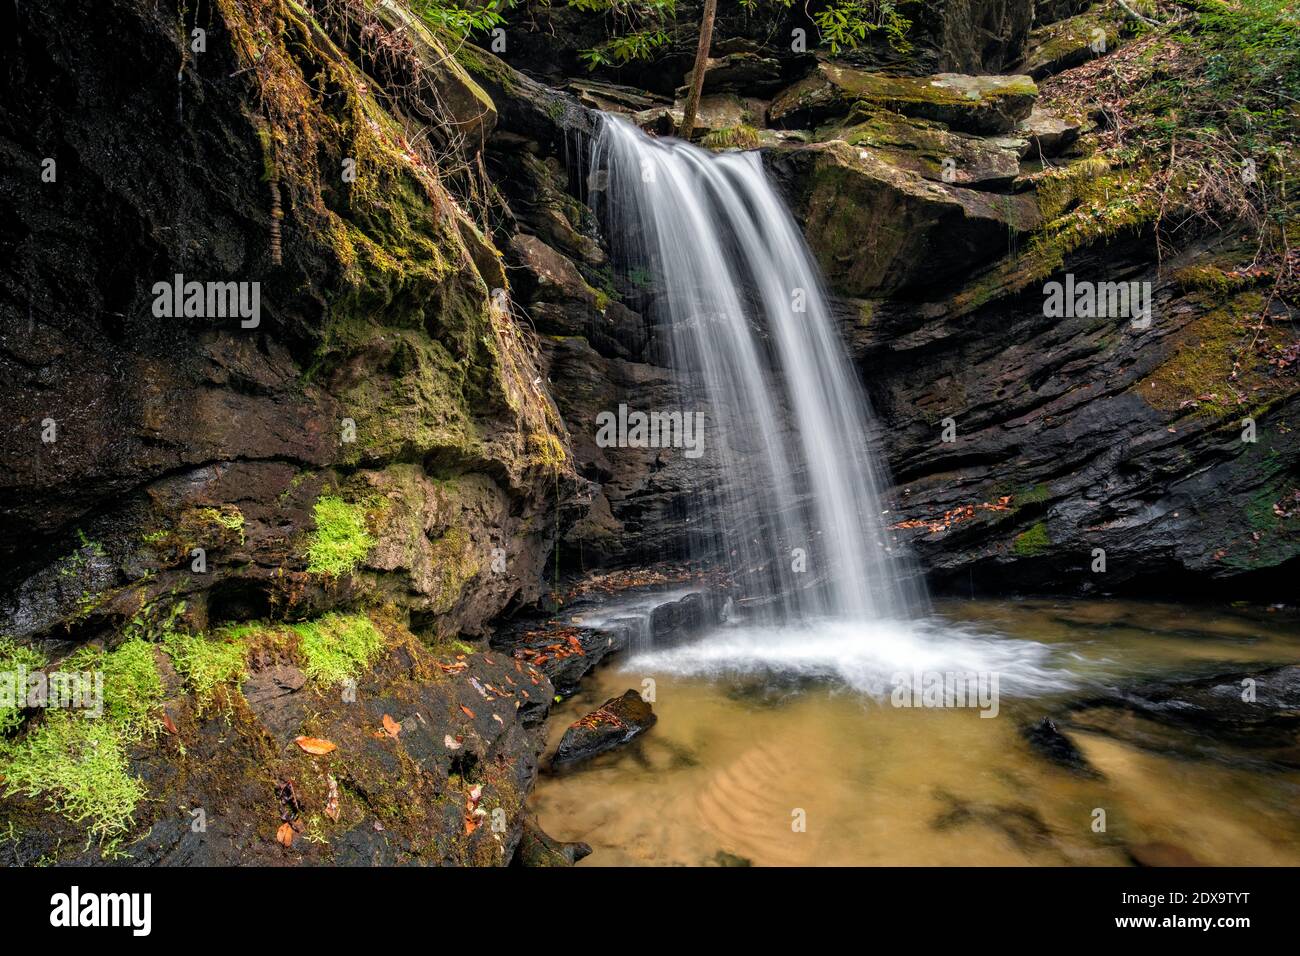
974, 104
930, 150
1032, 542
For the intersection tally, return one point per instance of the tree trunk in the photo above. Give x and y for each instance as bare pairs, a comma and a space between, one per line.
701, 65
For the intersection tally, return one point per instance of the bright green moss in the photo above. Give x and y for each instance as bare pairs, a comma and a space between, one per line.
80, 765
12, 657
132, 688
341, 539
336, 647
1032, 542
206, 663
79, 761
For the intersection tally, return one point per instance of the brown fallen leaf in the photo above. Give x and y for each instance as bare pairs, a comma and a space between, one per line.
284, 835
468, 713
314, 745
169, 725
392, 726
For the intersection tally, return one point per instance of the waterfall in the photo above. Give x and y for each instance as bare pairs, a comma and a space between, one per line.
795, 508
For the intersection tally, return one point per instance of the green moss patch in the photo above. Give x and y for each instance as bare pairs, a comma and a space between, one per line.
207, 663
1211, 367
1032, 542
341, 539
12, 657
337, 647
79, 762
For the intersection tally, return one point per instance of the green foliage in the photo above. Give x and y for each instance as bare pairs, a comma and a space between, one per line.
341, 539
338, 646
618, 50
733, 137
460, 20
1252, 47
1229, 95
13, 656
206, 664
844, 24
638, 29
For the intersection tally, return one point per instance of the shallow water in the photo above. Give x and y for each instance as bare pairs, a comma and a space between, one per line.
755, 726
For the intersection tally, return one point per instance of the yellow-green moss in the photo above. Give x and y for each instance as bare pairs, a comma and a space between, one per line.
341, 539
419, 404
79, 762
741, 136
1205, 356
132, 687
456, 563
1032, 542
337, 647
545, 451
1209, 278
1084, 204
80, 765
206, 663
12, 657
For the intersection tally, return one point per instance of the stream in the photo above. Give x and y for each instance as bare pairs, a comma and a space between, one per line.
751, 730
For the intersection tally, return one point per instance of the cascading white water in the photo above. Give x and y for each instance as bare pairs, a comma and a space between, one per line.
741, 304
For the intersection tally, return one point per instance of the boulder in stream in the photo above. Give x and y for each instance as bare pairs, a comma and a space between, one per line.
616, 722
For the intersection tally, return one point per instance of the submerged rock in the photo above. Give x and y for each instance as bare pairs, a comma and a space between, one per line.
1161, 854
1018, 822
1245, 716
1046, 738
537, 848
616, 722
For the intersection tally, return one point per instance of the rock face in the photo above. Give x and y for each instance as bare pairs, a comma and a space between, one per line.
616, 722
376, 435
409, 396
923, 231
1067, 43
939, 207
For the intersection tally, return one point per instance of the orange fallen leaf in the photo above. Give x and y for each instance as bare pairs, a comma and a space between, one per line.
170, 725
468, 713
392, 726
315, 746
284, 835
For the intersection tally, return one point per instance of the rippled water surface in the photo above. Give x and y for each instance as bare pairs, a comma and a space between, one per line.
756, 725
